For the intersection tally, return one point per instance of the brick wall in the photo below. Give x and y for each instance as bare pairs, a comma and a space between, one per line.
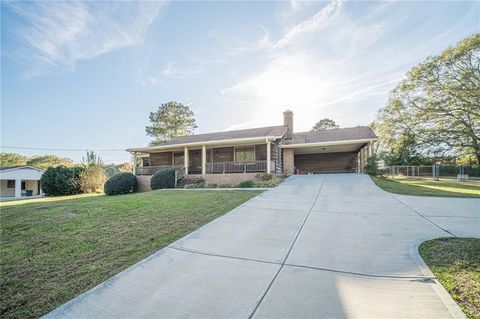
231, 179
143, 183
288, 161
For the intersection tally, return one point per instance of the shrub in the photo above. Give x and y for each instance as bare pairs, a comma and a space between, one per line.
264, 176
163, 179
61, 180
247, 184
92, 179
121, 183
372, 166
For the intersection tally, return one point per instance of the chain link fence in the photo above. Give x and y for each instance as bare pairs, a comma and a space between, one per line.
460, 172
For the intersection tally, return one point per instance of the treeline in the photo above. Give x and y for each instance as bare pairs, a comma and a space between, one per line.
63, 177
433, 115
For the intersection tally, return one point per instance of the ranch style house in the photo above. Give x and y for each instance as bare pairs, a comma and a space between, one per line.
233, 156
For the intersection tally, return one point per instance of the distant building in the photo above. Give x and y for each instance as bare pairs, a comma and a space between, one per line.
20, 181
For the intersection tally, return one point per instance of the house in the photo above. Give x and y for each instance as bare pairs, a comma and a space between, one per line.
20, 181
232, 156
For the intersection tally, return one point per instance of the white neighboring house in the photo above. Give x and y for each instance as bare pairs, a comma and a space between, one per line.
20, 181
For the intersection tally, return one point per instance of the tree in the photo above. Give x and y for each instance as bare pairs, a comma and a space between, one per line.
438, 104
324, 124
45, 161
12, 159
92, 159
404, 152
92, 178
172, 119
126, 167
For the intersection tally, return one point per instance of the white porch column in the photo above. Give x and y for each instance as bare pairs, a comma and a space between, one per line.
18, 188
204, 159
269, 157
185, 157
134, 163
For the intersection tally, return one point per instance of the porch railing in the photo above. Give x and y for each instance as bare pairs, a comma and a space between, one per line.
238, 167
150, 170
211, 168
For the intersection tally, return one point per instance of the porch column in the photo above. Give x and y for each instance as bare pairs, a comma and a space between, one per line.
360, 161
134, 163
269, 157
185, 157
204, 159
18, 188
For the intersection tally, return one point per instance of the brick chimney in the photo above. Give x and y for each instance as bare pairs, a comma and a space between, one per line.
288, 122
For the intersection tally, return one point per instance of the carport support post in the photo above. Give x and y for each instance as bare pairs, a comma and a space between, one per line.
204, 159
269, 157
185, 157
18, 188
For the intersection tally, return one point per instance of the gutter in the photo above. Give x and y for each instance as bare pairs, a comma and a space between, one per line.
215, 142
346, 142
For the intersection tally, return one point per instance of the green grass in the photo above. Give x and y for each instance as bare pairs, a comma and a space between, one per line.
56, 248
456, 264
429, 187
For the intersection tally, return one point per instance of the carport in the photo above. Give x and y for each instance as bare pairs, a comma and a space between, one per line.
347, 156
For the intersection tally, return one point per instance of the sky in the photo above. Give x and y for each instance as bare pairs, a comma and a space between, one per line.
86, 75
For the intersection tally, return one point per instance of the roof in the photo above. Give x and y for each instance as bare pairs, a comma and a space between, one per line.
260, 132
3, 168
334, 135
8, 168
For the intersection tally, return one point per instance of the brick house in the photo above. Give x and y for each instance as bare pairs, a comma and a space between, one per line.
232, 156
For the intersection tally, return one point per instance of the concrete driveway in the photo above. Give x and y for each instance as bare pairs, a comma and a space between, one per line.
317, 246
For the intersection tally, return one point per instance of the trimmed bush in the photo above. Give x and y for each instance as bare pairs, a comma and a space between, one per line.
247, 184
163, 179
264, 177
61, 180
121, 183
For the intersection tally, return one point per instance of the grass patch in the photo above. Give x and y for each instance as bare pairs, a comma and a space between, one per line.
456, 264
56, 248
429, 187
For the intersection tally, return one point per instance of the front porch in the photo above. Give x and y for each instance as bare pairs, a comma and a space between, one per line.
211, 160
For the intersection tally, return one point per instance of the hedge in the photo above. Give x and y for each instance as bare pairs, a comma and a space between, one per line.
121, 183
163, 179
61, 180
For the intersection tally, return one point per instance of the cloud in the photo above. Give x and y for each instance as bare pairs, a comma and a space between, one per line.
172, 70
53, 36
311, 24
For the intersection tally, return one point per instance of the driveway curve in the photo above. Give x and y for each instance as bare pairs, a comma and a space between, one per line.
317, 246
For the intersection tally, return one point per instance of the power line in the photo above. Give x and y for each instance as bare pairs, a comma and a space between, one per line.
63, 149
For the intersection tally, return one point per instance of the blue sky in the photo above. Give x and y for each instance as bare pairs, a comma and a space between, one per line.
85, 75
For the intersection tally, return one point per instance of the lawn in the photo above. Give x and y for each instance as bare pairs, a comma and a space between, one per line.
56, 248
456, 264
429, 187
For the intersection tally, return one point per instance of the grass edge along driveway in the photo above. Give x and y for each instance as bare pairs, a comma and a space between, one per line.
55, 249
455, 262
428, 187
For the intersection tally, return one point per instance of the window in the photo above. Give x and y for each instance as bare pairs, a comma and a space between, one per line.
24, 185
11, 183
245, 154
178, 159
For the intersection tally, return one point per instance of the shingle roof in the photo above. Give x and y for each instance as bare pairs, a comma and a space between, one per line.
228, 135
5, 168
341, 134
2, 168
